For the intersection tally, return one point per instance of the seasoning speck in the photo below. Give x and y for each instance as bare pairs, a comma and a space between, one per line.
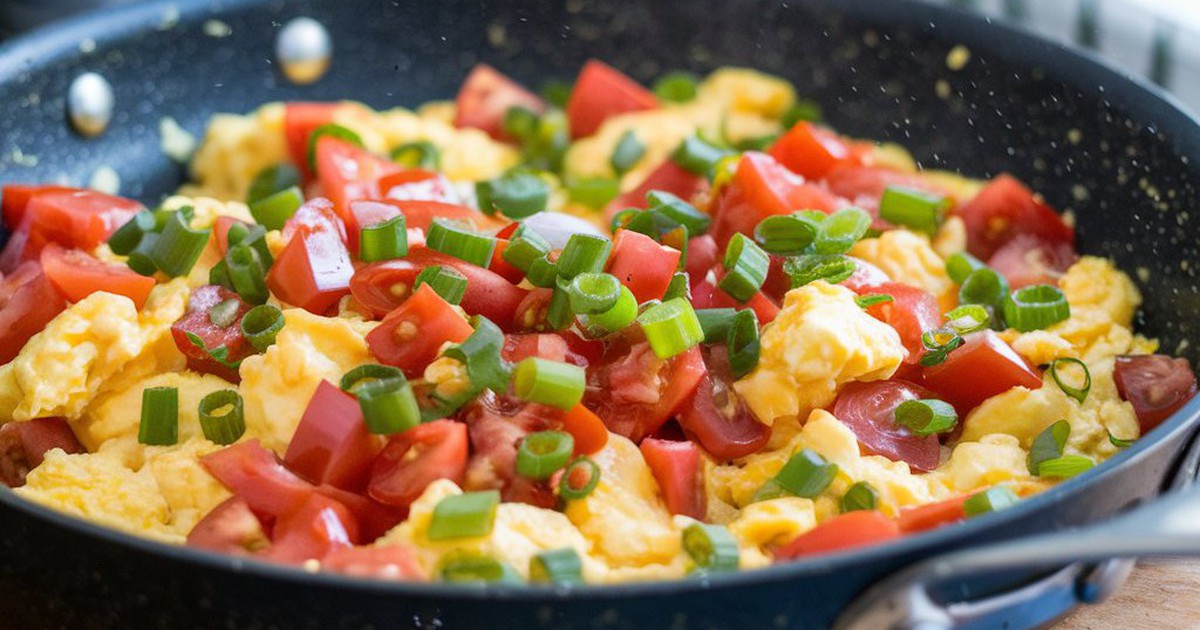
217, 28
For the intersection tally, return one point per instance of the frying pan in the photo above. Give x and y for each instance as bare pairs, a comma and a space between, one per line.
1118, 153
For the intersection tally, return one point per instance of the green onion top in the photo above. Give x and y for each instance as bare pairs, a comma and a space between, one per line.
592, 293
1065, 466
968, 318
960, 265
516, 194
676, 87
222, 417
867, 301
260, 326
1078, 393
806, 474
420, 154
178, 246
447, 282
699, 156
786, 234
1035, 307
715, 322
159, 425
128, 236
593, 192
224, 313
926, 416
520, 122
746, 266
671, 327
742, 343
804, 109
464, 515
678, 210
466, 567
1048, 444
271, 180
544, 453
480, 353
549, 382
273, 211
680, 286
839, 232
524, 248
462, 242
583, 253
623, 313
938, 345
627, 152
389, 405
983, 286
860, 496
990, 500
579, 479
385, 240
1118, 442
334, 131
557, 566
916, 209
808, 268
712, 548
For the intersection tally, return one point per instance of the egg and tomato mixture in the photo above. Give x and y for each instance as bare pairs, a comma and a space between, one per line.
602, 334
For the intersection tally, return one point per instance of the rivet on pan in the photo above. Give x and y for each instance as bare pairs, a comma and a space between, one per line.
303, 49
90, 104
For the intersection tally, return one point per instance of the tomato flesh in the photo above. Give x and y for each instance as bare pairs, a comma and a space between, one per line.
1027, 259
809, 150
416, 458
982, 367
1155, 384
348, 173
921, 518
485, 98
254, 473
416, 184
911, 312
314, 269
73, 218
842, 532
197, 321
708, 295
643, 265
15, 197
1005, 208
668, 177
318, 527
28, 301
230, 528
634, 392
496, 426
299, 121
411, 336
392, 562
331, 444
23, 446
869, 410
761, 187
676, 467
717, 418
77, 275
602, 92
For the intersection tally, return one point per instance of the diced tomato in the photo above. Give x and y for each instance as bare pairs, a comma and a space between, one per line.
643, 265
702, 255
708, 295
502, 267
197, 321
486, 96
1005, 208
760, 188
911, 312
320, 526
869, 410
374, 518
602, 92
864, 185
920, 518
1027, 259
810, 151
634, 392
230, 528
496, 426
15, 197
587, 428
383, 286
562, 347
417, 184
420, 214
717, 418
1155, 384
844, 531
28, 301
221, 231
676, 467
317, 215
668, 177
299, 121
416, 458
412, 334
80, 219
331, 444
77, 275
391, 562
984, 366
866, 275
254, 473
531, 312
23, 446
314, 269
348, 173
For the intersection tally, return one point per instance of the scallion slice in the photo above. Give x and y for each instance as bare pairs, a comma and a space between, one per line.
593, 192
699, 156
467, 567
806, 474
712, 548
990, 500
447, 282
557, 566
516, 194
159, 425
247, 273
481, 354
623, 312
542, 272
916, 209
460, 241
271, 180
224, 313
1065, 466
746, 266
520, 122
867, 301
960, 265
579, 479
786, 235
627, 152
388, 405
808, 268
260, 326
715, 323
1035, 307
128, 236
466, 515
419, 154
334, 131
926, 417
678, 210
366, 373
968, 318
1048, 444
1118, 442
221, 416
680, 286
838, 233
583, 253
804, 109
983, 286
384, 240
548, 382
592, 293
178, 247
676, 87
742, 343
1078, 393
558, 313
671, 327
524, 247
938, 345
860, 496
275, 209
544, 453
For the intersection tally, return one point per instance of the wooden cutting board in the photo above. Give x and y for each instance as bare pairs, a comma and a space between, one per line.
1160, 594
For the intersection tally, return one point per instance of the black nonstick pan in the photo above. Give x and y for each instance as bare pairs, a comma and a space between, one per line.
1056, 118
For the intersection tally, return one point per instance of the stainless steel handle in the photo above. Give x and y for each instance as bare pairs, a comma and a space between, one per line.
1098, 558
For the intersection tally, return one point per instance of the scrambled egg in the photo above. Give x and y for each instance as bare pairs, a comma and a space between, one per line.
819, 341
908, 257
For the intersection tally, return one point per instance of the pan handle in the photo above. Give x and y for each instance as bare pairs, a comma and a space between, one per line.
1098, 558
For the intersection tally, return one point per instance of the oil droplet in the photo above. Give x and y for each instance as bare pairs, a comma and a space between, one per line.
303, 49
90, 104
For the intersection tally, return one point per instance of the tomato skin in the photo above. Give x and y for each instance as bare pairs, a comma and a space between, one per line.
229, 528
411, 335
625, 395
981, 368
421, 213
318, 527
77, 275
397, 478
196, 321
299, 121
602, 92
1005, 208
809, 150
486, 96
911, 312
869, 408
668, 177
374, 518
73, 218
921, 518
702, 255
501, 267
705, 418
1027, 259
392, 562
643, 265
348, 173
708, 295
865, 276
676, 467
23, 446
331, 444
28, 301
417, 184
1155, 385
255, 474
314, 269
563, 347
15, 197
587, 428
760, 188
496, 426
844, 531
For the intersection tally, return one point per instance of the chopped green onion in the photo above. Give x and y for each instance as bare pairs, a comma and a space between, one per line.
546, 148
678, 210
260, 326
127, 237
163, 215
615, 319
676, 87
253, 235
224, 313
571, 487
938, 345
1118, 442
179, 247
1078, 393
557, 566
671, 327
247, 274
544, 453
860, 496
804, 109
760, 143
592, 293
460, 241
274, 210
1065, 466
420, 154
1035, 307
271, 180
699, 156
383, 241
584, 253
867, 301
680, 286
1048, 444
746, 266
160, 417
960, 265
838, 233
141, 259
466, 567
367, 373
715, 323
558, 313
466, 515
593, 192
520, 122
556, 92
552, 383
926, 417
524, 248
334, 131
968, 318
481, 354
742, 343
917, 209
516, 194
388, 405
990, 500
711, 547
627, 152
809, 268
983, 286
786, 235
220, 354
221, 416
542, 272
806, 474
447, 282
